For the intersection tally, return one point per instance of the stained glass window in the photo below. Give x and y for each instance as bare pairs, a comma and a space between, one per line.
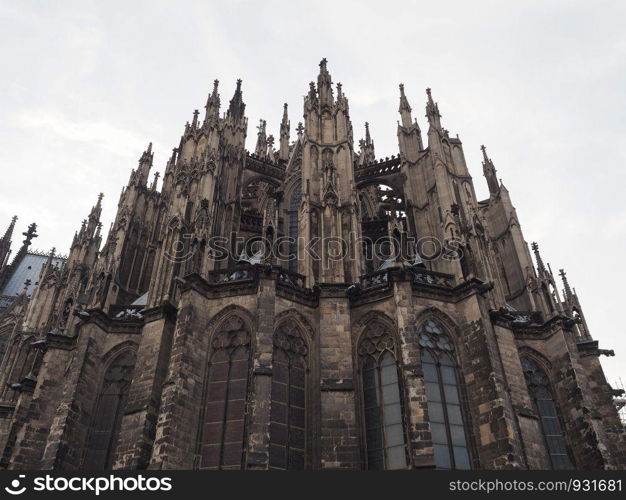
287, 419
221, 443
108, 413
382, 400
445, 413
541, 394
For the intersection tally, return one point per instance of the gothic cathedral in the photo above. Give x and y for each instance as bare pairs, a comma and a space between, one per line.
302, 306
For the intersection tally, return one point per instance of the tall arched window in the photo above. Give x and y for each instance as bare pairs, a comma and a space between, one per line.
382, 400
445, 414
107, 418
222, 432
541, 394
294, 208
288, 416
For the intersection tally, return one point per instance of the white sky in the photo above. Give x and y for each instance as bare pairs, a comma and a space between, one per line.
86, 85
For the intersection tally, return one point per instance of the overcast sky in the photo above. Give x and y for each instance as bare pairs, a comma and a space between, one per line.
86, 85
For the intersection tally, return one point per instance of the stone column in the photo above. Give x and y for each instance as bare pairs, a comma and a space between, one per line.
177, 419
134, 444
420, 443
261, 387
493, 418
339, 432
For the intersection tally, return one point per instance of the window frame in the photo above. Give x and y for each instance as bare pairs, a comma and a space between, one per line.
215, 348
360, 363
303, 358
112, 357
539, 366
434, 353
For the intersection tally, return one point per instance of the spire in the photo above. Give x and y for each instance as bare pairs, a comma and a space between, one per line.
432, 111
367, 154
147, 155
489, 171
47, 267
155, 181
405, 109
568, 290
5, 242
213, 104
325, 85
300, 129
261, 141
194, 121
312, 95
96, 209
285, 125
540, 266
237, 107
145, 164
9, 232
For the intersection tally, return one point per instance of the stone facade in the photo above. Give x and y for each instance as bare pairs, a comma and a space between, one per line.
407, 325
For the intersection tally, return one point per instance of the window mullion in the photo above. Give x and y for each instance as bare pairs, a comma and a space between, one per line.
444, 406
225, 415
288, 418
381, 411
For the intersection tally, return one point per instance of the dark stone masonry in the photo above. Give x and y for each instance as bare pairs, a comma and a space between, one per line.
404, 324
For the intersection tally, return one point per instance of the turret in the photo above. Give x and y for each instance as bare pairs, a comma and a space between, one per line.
328, 187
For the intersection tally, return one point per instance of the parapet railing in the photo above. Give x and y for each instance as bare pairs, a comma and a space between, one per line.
239, 273
434, 278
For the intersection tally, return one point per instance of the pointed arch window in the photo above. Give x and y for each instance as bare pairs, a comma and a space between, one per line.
222, 431
288, 413
382, 400
447, 424
109, 410
294, 208
540, 393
